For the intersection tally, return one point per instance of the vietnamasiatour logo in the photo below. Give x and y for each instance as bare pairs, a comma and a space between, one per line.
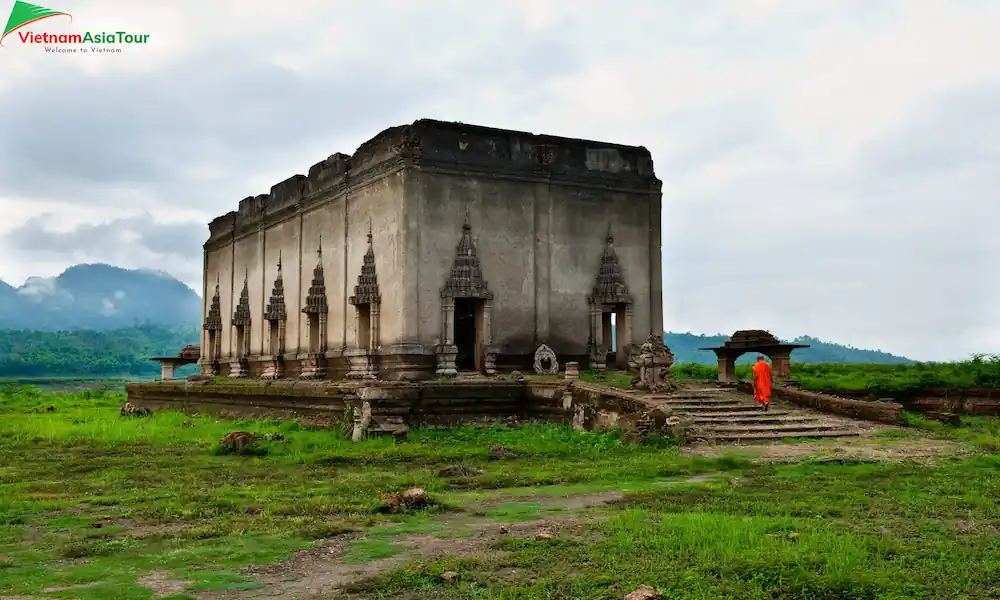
34, 25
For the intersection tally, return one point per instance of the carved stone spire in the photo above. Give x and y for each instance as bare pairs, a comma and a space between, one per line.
316, 298
466, 278
213, 321
241, 316
276, 305
610, 287
366, 291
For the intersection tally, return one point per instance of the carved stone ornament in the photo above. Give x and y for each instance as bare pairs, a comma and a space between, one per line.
367, 291
316, 297
276, 310
543, 354
610, 286
213, 321
241, 316
466, 277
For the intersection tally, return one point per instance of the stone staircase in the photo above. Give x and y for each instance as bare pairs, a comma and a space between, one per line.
728, 415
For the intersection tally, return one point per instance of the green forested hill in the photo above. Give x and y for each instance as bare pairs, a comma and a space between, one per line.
111, 353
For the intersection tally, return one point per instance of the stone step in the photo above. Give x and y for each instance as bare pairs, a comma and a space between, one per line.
703, 408
783, 435
702, 401
749, 429
687, 394
758, 419
736, 413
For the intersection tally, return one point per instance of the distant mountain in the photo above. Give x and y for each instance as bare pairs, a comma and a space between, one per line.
685, 348
98, 297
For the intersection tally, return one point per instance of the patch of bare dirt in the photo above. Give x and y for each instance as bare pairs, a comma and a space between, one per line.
64, 588
162, 584
571, 502
322, 571
866, 449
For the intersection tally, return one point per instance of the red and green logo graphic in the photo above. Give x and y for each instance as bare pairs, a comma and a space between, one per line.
24, 14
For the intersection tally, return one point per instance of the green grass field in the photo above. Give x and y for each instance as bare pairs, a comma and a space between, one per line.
93, 505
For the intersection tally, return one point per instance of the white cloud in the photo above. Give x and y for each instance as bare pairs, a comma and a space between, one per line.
829, 167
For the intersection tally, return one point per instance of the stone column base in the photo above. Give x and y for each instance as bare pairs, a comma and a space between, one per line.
209, 368
362, 364
273, 367
572, 370
239, 368
490, 362
445, 356
313, 366
405, 361
597, 358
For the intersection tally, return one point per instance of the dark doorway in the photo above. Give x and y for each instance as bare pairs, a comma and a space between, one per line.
465, 334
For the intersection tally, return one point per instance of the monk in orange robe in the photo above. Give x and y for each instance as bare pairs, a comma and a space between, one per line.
762, 383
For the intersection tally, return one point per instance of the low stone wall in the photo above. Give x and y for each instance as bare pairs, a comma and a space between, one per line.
317, 402
394, 407
880, 411
969, 401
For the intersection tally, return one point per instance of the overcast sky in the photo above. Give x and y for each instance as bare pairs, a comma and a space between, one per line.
830, 167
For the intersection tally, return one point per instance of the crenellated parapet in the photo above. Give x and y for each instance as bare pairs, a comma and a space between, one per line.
448, 148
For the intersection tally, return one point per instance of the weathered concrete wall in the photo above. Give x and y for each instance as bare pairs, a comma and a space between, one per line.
540, 231
540, 208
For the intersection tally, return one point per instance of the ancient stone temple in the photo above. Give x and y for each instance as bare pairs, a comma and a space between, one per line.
438, 248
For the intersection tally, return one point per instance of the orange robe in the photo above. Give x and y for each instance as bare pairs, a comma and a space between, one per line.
762, 382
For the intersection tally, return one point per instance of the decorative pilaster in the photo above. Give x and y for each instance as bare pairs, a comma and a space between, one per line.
276, 315
316, 309
209, 361
239, 365
367, 297
375, 337
489, 350
447, 351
